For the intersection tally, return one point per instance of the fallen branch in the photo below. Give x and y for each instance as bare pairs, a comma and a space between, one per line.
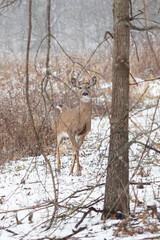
86, 213
7, 230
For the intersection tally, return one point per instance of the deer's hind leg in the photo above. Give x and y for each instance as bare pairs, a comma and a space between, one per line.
58, 156
60, 137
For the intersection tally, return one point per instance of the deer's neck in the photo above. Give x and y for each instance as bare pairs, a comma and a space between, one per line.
86, 107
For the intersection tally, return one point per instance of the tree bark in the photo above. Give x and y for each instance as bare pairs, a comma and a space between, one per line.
117, 179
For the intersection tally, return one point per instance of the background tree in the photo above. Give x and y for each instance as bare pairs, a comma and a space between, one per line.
117, 180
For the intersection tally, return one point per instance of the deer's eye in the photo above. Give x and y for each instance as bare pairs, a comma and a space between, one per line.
88, 87
80, 87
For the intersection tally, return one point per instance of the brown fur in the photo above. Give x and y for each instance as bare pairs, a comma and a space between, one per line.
76, 122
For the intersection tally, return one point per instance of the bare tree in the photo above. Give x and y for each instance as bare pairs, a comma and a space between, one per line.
117, 180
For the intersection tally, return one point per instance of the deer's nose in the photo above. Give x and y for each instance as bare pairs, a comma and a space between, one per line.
85, 94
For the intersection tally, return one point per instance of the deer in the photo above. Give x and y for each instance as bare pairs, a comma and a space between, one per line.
75, 123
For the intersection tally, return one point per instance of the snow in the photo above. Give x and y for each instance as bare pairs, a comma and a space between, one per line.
153, 89
27, 193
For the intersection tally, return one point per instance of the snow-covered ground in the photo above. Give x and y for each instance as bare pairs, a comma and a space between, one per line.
27, 197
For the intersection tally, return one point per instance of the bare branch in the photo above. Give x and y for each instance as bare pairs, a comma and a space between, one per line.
145, 80
145, 28
71, 235
133, 79
48, 42
5, 4
86, 213
108, 33
8, 230
148, 146
134, 17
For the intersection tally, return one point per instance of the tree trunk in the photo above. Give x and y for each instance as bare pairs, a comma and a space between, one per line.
117, 180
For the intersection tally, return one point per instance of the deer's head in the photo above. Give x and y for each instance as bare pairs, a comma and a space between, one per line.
84, 88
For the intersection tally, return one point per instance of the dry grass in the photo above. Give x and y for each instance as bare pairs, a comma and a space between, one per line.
17, 137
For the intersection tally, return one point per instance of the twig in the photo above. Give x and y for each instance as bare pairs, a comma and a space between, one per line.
108, 33
134, 17
71, 235
146, 80
54, 187
140, 183
8, 230
35, 60
7, 4
86, 213
148, 146
145, 28
133, 79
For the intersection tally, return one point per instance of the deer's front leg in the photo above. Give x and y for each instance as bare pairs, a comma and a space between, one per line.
73, 163
79, 168
75, 148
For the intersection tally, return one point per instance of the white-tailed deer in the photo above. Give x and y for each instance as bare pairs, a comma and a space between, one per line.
75, 123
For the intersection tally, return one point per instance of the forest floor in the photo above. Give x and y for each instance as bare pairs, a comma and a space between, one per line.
27, 197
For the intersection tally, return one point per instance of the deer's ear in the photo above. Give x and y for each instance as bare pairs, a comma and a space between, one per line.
93, 81
74, 82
